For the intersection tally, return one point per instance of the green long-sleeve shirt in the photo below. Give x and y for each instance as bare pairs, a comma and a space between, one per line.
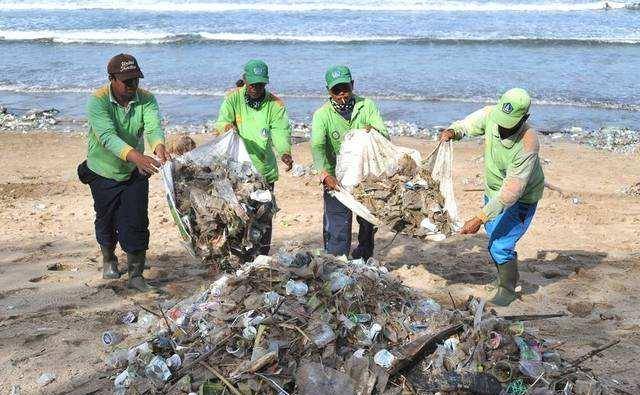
512, 170
329, 128
262, 130
115, 130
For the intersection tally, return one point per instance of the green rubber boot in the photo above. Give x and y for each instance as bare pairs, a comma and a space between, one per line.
495, 284
507, 279
135, 262
109, 263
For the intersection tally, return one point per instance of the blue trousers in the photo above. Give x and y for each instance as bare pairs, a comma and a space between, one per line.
337, 220
122, 212
506, 229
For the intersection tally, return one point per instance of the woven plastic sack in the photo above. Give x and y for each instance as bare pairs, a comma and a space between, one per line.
368, 153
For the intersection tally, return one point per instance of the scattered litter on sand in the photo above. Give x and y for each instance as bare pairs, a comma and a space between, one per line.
32, 120
631, 190
308, 323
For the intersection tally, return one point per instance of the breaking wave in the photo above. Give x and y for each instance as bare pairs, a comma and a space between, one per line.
161, 90
311, 6
142, 37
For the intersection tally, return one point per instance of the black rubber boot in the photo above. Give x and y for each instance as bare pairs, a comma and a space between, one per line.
507, 279
109, 263
135, 262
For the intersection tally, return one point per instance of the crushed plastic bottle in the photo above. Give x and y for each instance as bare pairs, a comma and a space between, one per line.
297, 288
321, 333
249, 333
111, 338
428, 306
174, 362
451, 344
339, 280
128, 318
384, 358
157, 369
46, 379
271, 298
373, 332
117, 358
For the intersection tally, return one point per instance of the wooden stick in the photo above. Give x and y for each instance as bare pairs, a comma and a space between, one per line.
531, 317
453, 302
166, 321
473, 189
219, 375
146, 309
592, 353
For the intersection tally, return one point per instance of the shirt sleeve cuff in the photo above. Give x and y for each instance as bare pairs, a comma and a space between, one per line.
125, 151
482, 217
153, 145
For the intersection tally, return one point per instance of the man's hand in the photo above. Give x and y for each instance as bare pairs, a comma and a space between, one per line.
446, 135
162, 153
368, 128
287, 160
331, 183
146, 164
472, 226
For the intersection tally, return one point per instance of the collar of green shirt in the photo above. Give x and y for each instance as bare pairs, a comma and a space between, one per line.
114, 101
511, 140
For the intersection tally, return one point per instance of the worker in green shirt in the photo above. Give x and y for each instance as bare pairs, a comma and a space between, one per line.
121, 116
260, 119
343, 112
514, 181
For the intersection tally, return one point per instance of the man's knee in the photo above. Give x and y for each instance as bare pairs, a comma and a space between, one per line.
502, 254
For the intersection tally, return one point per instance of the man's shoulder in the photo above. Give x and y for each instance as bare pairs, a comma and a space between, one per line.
232, 93
277, 101
145, 96
529, 139
101, 93
323, 110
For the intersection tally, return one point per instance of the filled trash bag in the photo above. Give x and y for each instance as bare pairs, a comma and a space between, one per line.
221, 204
392, 186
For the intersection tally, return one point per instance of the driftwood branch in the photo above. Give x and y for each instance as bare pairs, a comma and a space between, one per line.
592, 353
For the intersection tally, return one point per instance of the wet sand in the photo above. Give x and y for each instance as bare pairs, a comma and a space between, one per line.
582, 259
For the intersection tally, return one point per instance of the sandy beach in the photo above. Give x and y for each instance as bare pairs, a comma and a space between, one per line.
580, 257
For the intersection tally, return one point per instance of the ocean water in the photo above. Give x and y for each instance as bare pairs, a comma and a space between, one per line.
427, 62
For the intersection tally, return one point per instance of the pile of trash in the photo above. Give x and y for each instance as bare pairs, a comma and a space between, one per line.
409, 201
310, 323
32, 120
632, 190
228, 208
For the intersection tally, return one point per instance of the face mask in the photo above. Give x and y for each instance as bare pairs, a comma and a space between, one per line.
254, 103
345, 108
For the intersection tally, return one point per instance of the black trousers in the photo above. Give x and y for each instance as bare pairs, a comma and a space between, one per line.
337, 220
265, 240
122, 212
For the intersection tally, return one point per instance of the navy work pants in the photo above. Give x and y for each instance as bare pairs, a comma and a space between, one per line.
336, 233
122, 212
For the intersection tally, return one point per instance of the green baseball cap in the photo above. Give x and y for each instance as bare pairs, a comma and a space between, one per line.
512, 106
256, 71
337, 75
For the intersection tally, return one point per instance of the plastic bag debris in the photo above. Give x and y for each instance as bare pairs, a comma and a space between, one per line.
46, 379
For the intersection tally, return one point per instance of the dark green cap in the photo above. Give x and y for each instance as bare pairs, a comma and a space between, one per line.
256, 71
337, 75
